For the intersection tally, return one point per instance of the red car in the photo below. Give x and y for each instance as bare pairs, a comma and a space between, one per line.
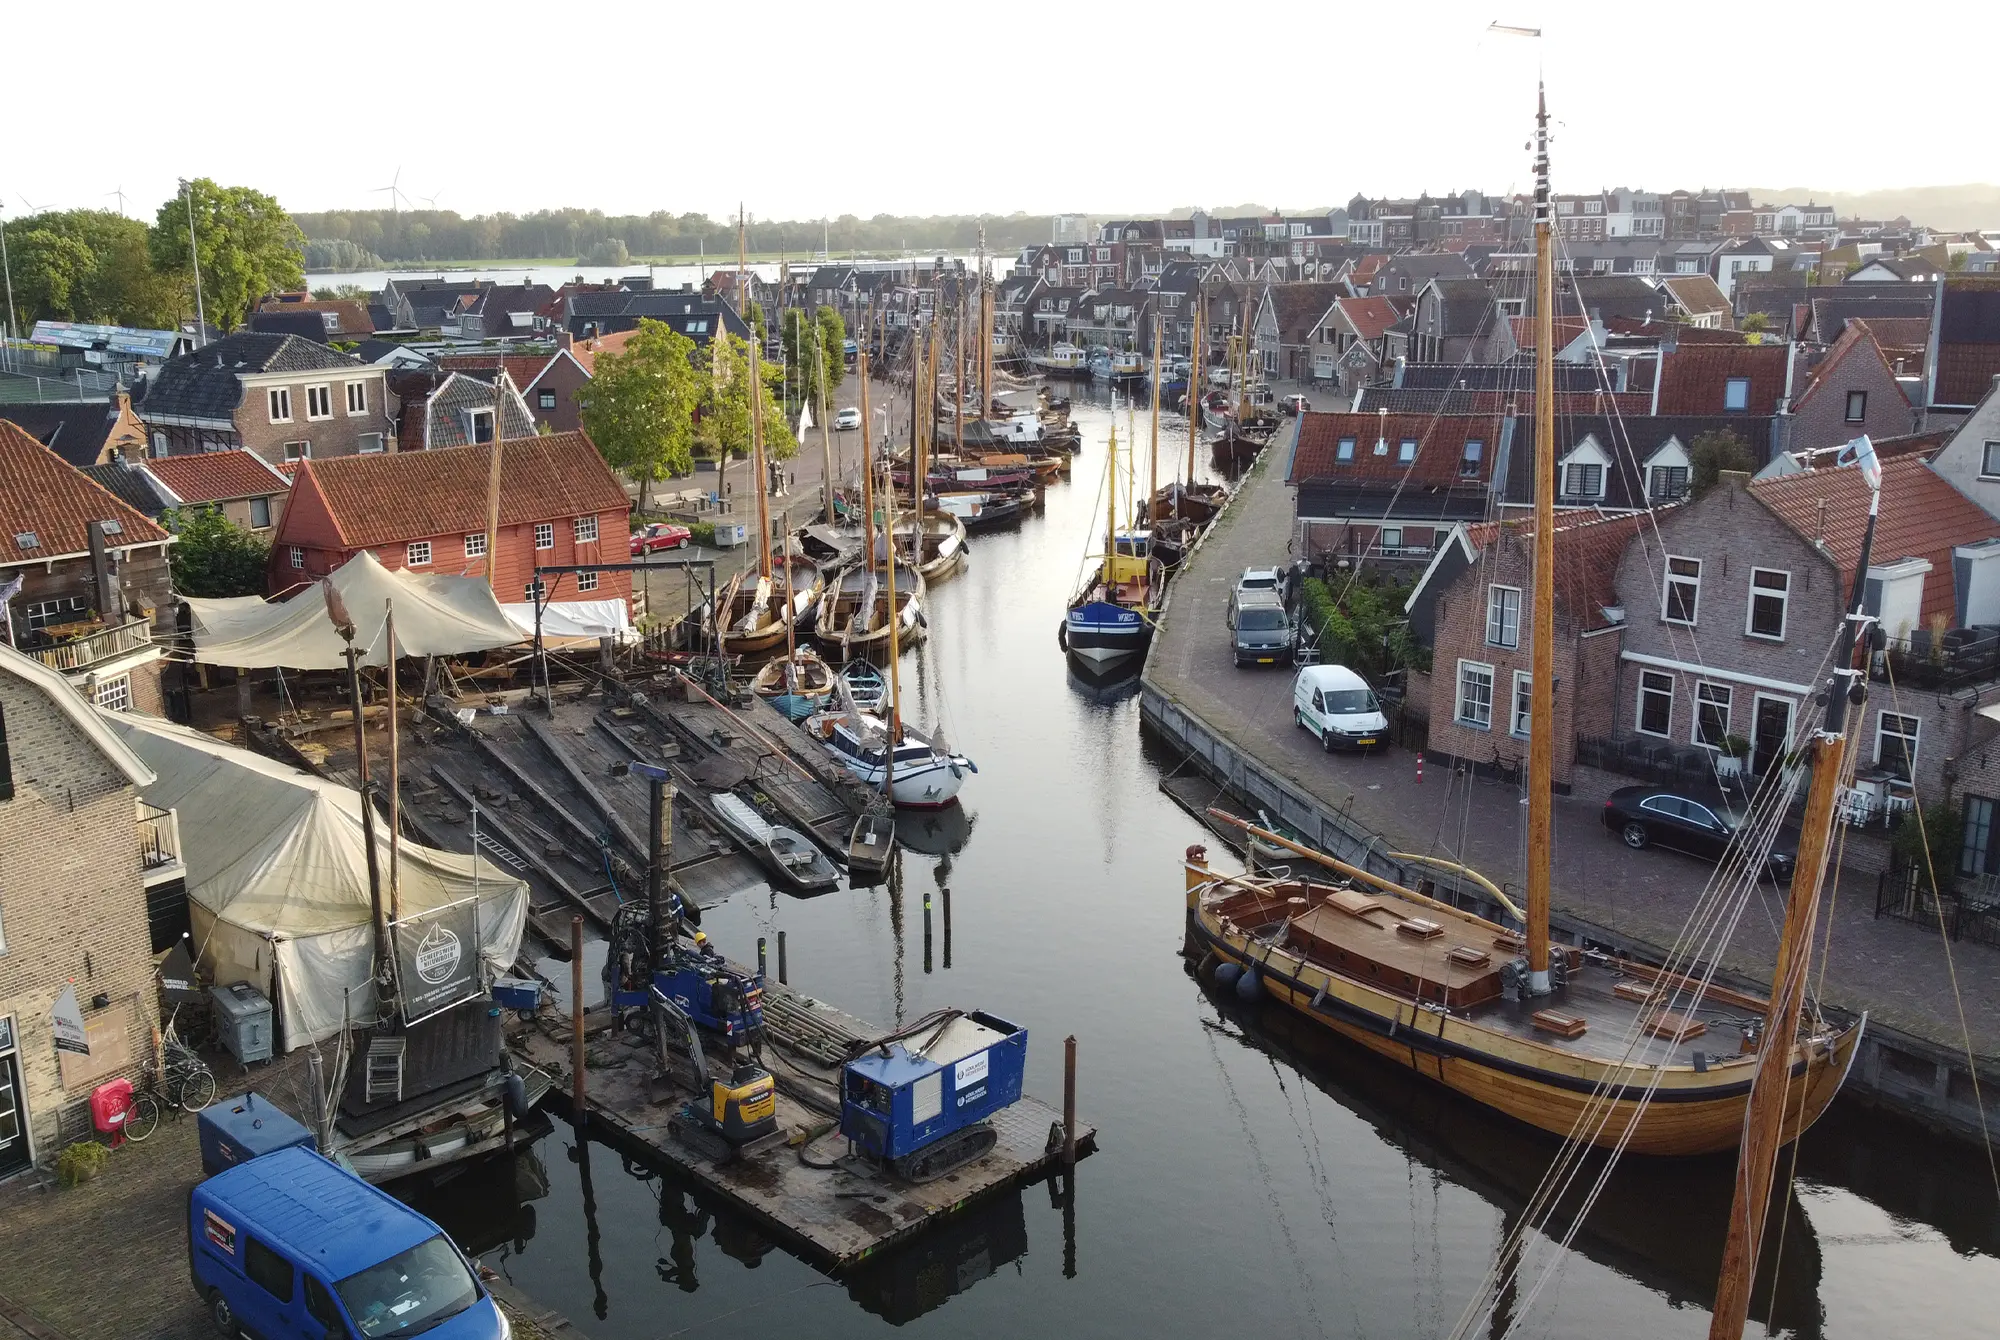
658, 535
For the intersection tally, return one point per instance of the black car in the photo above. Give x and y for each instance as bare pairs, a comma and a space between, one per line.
1645, 816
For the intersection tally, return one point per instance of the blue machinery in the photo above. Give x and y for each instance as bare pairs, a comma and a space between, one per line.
918, 1101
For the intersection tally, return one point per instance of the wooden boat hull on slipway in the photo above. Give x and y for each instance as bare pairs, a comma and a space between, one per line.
806, 690
1494, 1057
753, 628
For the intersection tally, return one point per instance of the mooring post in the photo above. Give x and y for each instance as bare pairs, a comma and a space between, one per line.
1069, 1102
946, 893
576, 1096
763, 969
782, 980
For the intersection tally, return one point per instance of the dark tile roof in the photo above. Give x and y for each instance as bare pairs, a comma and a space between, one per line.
305, 325
1630, 440
1575, 377
1830, 314
1300, 306
1517, 401
204, 385
1696, 376
1968, 339
131, 485
1465, 307
1606, 296
74, 430
56, 502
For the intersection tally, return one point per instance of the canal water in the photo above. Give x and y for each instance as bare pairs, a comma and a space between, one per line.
1255, 1177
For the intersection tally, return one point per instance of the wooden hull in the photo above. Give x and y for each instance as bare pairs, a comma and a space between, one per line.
1691, 1111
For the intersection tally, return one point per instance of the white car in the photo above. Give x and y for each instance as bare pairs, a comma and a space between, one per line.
1335, 704
847, 418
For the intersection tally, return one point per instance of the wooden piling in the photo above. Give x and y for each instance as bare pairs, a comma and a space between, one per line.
763, 964
782, 979
576, 1094
1069, 1103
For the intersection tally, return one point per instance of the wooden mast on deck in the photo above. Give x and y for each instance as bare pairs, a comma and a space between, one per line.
895, 717
958, 375
1194, 388
1111, 510
1542, 716
1153, 468
763, 476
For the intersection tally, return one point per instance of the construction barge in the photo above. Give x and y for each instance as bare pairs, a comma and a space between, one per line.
805, 1189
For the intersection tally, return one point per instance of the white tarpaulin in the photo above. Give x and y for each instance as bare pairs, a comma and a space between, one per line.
435, 616
571, 618
277, 877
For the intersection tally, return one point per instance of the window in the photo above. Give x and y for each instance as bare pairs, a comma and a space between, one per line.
1656, 703
1389, 537
1770, 593
371, 443
159, 444
1896, 743
1475, 695
321, 1307
1667, 483
545, 399
479, 425
586, 581
535, 590
6, 782
1503, 616
1345, 451
279, 399
1407, 452
1468, 465
475, 545
267, 1270
298, 557
319, 402
298, 451
545, 535
1736, 393
1682, 599
114, 694
1524, 701
1975, 858
1857, 406
1583, 480
260, 513
417, 553
1711, 714
357, 397
1989, 462
586, 529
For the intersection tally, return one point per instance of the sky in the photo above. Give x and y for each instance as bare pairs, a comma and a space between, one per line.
882, 106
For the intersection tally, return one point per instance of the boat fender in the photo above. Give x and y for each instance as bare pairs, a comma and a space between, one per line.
1249, 987
1227, 974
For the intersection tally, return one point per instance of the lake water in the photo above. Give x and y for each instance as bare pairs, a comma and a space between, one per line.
1255, 1176
664, 276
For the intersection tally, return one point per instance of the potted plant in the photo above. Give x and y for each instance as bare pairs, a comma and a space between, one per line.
1729, 756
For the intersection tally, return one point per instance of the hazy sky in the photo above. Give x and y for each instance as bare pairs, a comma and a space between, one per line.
883, 106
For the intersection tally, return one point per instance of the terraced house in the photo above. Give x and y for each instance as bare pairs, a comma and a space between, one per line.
283, 397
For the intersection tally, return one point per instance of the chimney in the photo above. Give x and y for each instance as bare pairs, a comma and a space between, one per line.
564, 340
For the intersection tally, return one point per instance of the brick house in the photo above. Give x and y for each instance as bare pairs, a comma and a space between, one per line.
94, 576
281, 396
1474, 606
240, 484
548, 382
1971, 457
426, 511
1287, 316
1851, 391
72, 908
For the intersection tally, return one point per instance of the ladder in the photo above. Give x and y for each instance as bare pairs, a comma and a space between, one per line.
383, 1079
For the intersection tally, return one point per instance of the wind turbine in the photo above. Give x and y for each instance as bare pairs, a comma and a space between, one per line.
395, 191
33, 208
431, 200
120, 193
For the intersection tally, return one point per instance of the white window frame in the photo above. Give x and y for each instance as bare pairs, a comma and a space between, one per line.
1915, 736
1710, 694
114, 694
417, 554
535, 590
1388, 538
1521, 722
1406, 451
1783, 596
371, 444
1989, 461
298, 556
1667, 584
1571, 472
1853, 417
1653, 473
545, 399
278, 403
545, 535
1458, 693
254, 503
1649, 684
475, 544
299, 451
1469, 458
472, 420
586, 581
585, 529
321, 392
1498, 634
1736, 389
1344, 450
357, 392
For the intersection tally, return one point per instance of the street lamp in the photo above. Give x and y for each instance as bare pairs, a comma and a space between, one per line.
194, 259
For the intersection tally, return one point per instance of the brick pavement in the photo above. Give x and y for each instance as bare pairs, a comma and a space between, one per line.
1894, 970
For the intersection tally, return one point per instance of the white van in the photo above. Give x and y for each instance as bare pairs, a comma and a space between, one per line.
1337, 705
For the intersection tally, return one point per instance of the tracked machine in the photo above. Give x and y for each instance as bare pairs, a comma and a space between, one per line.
919, 1102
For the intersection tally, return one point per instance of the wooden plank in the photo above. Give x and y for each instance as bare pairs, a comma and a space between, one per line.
639, 850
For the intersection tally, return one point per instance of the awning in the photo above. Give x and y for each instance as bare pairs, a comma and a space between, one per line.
571, 618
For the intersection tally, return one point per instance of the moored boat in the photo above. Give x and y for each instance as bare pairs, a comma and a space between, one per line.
796, 864
1061, 360
798, 684
939, 545
865, 685
919, 774
872, 841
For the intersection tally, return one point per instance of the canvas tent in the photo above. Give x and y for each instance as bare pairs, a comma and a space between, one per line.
277, 877
567, 620
435, 616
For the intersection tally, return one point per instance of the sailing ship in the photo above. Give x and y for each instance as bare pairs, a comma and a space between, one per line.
1179, 510
1111, 616
935, 541
1597, 1049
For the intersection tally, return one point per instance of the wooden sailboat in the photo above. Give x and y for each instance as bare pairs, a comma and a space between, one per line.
1181, 508
1594, 1049
1110, 618
863, 613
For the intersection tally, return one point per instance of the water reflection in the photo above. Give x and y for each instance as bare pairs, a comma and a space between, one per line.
935, 832
927, 1273
1104, 687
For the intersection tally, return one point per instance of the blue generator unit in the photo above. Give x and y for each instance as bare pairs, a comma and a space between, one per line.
237, 1130
919, 1104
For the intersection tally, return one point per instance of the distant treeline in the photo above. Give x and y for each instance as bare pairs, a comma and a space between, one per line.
358, 239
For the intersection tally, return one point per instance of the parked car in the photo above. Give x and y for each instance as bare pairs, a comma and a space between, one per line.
1258, 579
1335, 704
1260, 630
1296, 405
657, 535
1645, 816
847, 418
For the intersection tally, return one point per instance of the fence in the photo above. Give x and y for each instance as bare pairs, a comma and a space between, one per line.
89, 650
1954, 659
1969, 910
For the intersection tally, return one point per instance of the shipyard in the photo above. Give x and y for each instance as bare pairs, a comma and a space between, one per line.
1425, 765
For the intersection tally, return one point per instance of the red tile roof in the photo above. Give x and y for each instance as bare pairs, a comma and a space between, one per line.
50, 497
1370, 317
1440, 440
1922, 516
217, 476
1696, 377
1856, 342
417, 494
1588, 547
351, 319
523, 368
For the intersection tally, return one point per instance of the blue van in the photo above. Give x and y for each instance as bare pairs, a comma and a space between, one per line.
291, 1247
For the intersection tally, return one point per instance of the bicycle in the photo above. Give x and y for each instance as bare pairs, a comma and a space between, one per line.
1502, 771
186, 1085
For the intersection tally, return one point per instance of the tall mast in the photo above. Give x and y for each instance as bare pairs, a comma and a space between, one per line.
958, 371
1111, 505
825, 431
1194, 382
895, 721
762, 481
1153, 468
867, 454
1541, 738
1763, 1126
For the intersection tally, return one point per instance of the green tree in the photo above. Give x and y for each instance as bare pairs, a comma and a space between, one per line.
640, 405
87, 265
725, 413
215, 557
1361, 625
754, 318
833, 348
51, 270
246, 244
1755, 323
1713, 452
